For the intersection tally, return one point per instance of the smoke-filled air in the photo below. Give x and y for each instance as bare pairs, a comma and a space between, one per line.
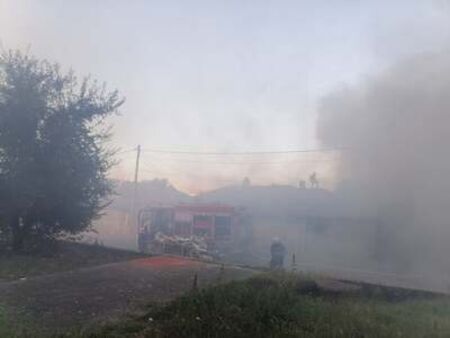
226, 168
394, 128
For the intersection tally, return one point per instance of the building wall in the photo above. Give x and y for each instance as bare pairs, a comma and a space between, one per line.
338, 243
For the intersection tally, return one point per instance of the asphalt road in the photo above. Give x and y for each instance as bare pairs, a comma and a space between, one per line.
82, 297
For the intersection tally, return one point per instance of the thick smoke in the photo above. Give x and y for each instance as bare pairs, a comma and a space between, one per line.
397, 129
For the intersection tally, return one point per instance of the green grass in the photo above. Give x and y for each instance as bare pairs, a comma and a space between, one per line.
66, 256
5, 329
287, 306
14, 329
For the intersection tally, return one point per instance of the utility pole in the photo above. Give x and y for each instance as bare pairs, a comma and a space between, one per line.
136, 169
136, 177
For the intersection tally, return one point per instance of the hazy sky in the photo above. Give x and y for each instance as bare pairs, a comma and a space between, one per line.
223, 75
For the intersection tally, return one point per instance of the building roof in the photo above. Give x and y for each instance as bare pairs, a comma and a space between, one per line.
205, 208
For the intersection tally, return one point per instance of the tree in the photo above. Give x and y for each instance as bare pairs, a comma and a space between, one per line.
53, 153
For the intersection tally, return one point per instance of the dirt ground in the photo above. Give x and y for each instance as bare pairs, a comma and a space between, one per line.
85, 296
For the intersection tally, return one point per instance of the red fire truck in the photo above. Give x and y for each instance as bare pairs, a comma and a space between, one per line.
192, 229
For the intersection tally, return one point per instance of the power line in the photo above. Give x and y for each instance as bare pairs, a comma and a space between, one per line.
162, 173
221, 162
149, 150
125, 151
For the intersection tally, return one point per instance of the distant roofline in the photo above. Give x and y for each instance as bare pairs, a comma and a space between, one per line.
196, 207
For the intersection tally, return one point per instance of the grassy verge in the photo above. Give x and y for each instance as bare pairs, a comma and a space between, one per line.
68, 256
287, 306
16, 328
5, 329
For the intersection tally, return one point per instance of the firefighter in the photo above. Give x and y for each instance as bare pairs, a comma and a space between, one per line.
277, 251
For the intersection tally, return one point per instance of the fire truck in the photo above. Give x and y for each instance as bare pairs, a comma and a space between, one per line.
196, 230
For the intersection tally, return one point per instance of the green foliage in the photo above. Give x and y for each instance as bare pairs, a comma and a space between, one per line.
53, 155
286, 306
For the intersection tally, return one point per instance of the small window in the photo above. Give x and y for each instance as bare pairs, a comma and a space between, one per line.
183, 229
202, 220
222, 226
